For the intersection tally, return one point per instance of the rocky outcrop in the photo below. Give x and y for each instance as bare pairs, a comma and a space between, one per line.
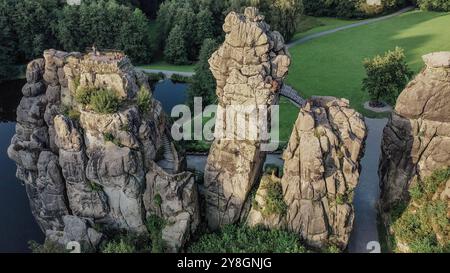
76, 230
416, 140
93, 166
173, 198
249, 68
321, 171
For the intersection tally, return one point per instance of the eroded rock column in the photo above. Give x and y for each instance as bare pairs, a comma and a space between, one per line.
321, 171
249, 68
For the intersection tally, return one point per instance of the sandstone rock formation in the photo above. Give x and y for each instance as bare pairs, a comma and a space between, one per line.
249, 68
321, 171
94, 166
416, 141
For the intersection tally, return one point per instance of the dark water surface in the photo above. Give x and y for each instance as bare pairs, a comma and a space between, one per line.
17, 224
170, 94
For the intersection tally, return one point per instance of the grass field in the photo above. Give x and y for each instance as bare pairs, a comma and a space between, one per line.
309, 25
332, 65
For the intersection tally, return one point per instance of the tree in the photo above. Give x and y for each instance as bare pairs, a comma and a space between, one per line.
33, 21
204, 26
284, 16
7, 57
107, 25
203, 83
185, 19
386, 76
437, 5
176, 51
134, 37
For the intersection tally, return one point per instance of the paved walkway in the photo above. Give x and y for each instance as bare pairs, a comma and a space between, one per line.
360, 23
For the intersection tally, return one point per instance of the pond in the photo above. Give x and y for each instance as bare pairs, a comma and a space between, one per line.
170, 94
17, 224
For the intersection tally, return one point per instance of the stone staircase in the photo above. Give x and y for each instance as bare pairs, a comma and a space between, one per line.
168, 161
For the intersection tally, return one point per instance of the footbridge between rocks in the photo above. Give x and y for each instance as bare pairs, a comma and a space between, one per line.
292, 95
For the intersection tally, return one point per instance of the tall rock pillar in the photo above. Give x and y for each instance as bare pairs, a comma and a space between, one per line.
249, 68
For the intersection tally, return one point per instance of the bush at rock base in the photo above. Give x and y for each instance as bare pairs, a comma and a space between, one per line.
46, 247
423, 226
155, 225
128, 243
274, 203
243, 239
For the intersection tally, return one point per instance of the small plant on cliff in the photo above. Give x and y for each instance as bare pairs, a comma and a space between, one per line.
243, 239
423, 225
83, 95
144, 99
155, 225
95, 187
74, 114
386, 76
274, 203
105, 101
109, 137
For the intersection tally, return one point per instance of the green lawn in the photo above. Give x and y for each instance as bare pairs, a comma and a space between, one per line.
161, 65
332, 65
309, 25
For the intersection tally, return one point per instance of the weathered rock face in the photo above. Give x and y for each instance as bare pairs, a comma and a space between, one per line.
77, 162
416, 141
249, 68
173, 197
321, 171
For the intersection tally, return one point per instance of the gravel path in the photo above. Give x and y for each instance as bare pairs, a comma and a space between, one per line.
361, 23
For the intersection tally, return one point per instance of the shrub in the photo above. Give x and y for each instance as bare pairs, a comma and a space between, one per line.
83, 95
386, 76
144, 99
436, 5
274, 203
155, 225
105, 101
243, 239
177, 78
